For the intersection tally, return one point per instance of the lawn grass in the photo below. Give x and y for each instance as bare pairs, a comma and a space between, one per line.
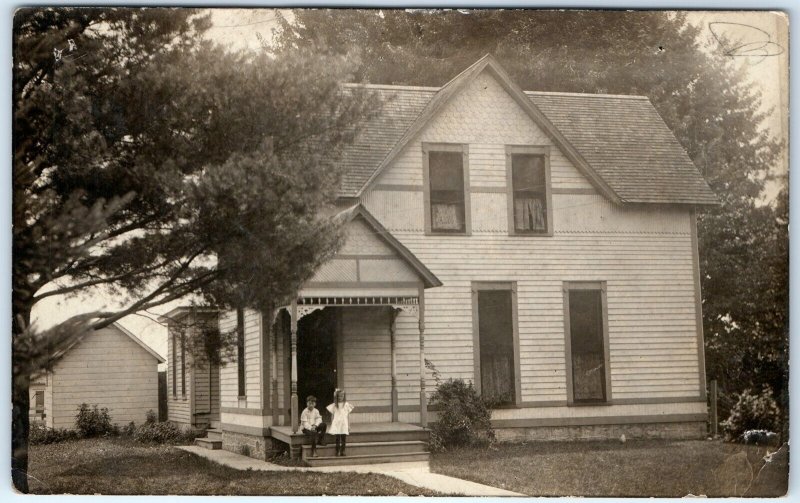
121, 466
610, 468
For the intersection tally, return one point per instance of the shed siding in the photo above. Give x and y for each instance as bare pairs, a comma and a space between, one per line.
110, 370
643, 253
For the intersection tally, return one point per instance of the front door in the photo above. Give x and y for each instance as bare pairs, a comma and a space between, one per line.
316, 357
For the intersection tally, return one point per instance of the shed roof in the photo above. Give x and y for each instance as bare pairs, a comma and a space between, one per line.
620, 143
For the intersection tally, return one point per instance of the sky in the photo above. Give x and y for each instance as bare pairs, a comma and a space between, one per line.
763, 50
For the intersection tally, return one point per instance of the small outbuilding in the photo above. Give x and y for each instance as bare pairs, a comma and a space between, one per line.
109, 367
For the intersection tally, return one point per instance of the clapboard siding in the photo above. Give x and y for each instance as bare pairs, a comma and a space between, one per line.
367, 355
228, 376
179, 408
128, 386
643, 253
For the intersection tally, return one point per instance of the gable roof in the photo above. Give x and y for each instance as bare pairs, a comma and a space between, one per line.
124, 331
619, 143
139, 342
429, 279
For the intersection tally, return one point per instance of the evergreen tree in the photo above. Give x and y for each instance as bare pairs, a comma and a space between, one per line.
150, 164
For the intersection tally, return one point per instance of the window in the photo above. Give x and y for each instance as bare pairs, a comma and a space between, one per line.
39, 402
495, 341
240, 351
587, 342
174, 366
447, 192
529, 201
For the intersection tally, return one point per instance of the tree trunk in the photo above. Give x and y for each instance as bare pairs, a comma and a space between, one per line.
20, 403
20, 428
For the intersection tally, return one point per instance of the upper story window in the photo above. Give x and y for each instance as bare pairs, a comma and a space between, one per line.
530, 206
446, 189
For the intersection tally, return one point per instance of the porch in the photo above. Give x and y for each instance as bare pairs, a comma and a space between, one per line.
376, 287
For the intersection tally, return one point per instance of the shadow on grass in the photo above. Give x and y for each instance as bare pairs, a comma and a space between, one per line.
105, 466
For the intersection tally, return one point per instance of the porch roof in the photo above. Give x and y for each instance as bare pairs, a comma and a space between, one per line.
380, 234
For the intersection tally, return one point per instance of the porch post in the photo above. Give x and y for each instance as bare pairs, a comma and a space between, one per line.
295, 410
423, 399
393, 341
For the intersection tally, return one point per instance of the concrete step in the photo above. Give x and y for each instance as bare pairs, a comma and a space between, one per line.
208, 444
367, 459
369, 448
214, 434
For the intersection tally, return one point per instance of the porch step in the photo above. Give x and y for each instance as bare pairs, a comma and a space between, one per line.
368, 448
366, 459
208, 444
361, 437
214, 434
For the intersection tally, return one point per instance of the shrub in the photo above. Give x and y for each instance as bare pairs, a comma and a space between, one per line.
94, 422
150, 417
463, 416
752, 412
162, 433
129, 429
40, 435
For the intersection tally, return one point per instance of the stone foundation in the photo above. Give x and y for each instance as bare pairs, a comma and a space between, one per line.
248, 445
673, 431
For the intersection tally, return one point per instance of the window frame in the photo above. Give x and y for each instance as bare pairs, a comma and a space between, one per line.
544, 151
37, 409
602, 287
427, 149
511, 286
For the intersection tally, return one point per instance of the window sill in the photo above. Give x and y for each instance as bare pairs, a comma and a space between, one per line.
589, 404
531, 234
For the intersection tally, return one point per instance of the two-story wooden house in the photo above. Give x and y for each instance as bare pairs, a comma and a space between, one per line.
541, 245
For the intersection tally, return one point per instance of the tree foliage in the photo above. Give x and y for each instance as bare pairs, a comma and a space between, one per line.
152, 164
702, 95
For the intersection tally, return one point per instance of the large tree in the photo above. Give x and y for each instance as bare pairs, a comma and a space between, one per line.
151, 164
704, 97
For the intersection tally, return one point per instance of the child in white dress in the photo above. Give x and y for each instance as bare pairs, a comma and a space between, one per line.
340, 424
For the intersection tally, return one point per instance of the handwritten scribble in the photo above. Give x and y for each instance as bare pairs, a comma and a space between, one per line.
752, 43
